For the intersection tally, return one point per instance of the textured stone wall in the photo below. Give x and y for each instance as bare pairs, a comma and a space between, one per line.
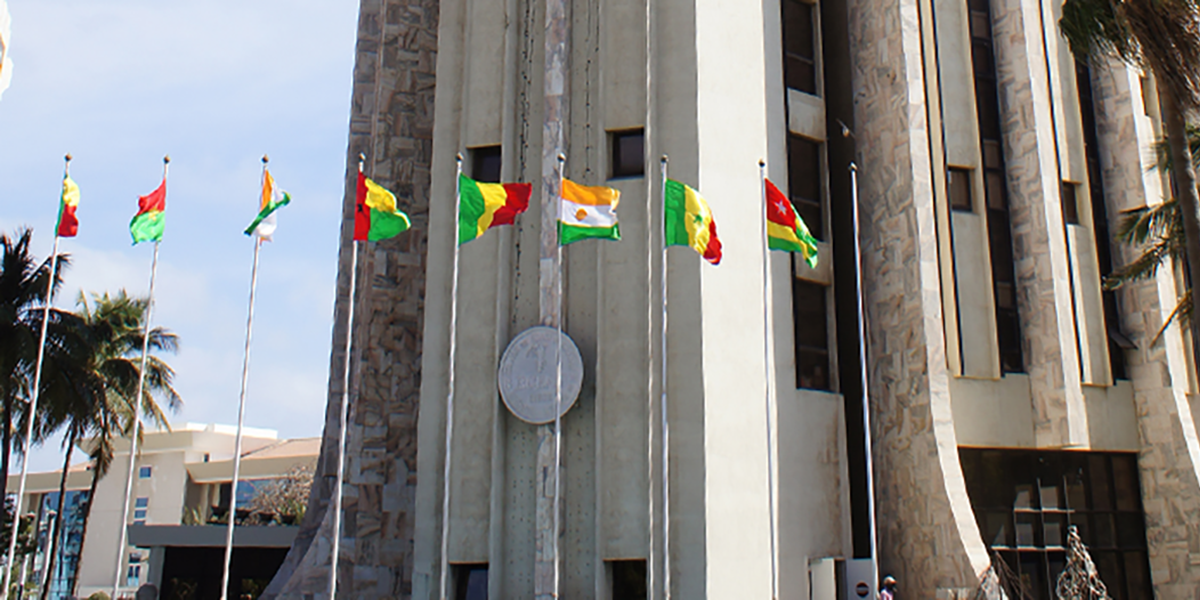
927, 533
392, 101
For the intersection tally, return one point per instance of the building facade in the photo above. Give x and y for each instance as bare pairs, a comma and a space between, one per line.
1010, 395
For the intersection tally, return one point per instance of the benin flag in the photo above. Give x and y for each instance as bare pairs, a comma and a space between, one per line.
689, 222
375, 214
147, 225
587, 212
68, 224
785, 229
273, 199
482, 206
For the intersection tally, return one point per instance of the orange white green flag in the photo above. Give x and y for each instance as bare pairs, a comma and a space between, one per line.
273, 199
689, 221
587, 212
68, 223
785, 229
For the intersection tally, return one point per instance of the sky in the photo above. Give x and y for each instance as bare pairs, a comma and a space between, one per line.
216, 85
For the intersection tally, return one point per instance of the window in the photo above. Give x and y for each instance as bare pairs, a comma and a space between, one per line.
1070, 204
804, 182
470, 581
799, 46
810, 319
485, 163
1026, 501
144, 472
628, 153
140, 514
958, 187
142, 502
628, 579
133, 576
1004, 287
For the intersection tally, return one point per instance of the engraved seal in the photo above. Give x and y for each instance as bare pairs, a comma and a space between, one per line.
529, 377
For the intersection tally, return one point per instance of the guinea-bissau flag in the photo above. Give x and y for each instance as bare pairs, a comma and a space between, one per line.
689, 222
482, 206
68, 223
148, 224
375, 214
785, 229
587, 212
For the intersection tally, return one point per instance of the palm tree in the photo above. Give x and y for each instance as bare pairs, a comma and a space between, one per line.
105, 375
1162, 36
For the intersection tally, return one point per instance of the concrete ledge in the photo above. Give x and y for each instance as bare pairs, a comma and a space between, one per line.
149, 536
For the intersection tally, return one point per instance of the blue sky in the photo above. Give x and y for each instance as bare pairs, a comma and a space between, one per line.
215, 84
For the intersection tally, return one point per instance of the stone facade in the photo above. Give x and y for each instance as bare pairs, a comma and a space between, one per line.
392, 101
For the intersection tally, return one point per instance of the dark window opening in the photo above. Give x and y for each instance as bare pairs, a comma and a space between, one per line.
1070, 203
628, 579
810, 319
959, 183
799, 46
485, 164
1026, 501
470, 581
804, 182
1008, 321
628, 153
1118, 342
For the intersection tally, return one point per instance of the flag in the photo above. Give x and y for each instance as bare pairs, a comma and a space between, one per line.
587, 212
68, 224
375, 214
5, 35
272, 199
689, 222
147, 225
482, 206
785, 229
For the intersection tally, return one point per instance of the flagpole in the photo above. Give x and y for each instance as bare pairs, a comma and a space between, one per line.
444, 571
762, 175
666, 429
137, 413
562, 159
237, 443
31, 414
862, 361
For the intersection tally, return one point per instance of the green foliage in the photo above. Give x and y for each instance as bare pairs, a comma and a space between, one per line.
98, 596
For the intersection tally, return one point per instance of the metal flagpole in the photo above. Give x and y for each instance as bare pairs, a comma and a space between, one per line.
666, 429
343, 409
762, 175
443, 573
648, 137
558, 392
237, 444
862, 361
33, 402
137, 414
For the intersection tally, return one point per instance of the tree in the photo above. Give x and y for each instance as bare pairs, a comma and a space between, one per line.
1162, 36
104, 377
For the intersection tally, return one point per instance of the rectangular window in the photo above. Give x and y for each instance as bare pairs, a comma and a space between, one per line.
810, 317
144, 472
799, 46
958, 184
139, 514
628, 153
1070, 204
628, 579
485, 163
470, 581
142, 502
133, 576
804, 182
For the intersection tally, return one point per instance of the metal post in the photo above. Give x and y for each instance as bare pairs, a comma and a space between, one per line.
444, 573
768, 380
666, 429
862, 361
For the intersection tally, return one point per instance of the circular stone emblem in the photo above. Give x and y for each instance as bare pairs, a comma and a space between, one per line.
529, 375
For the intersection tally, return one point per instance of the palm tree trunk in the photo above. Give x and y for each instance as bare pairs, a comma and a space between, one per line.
87, 515
58, 521
1183, 175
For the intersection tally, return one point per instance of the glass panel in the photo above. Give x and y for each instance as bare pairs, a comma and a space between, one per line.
1027, 529
1105, 531
1098, 473
1057, 562
141, 502
798, 28
994, 189
1083, 524
998, 529
1125, 481
811, 213
801, 74
1129, 531
485, 164
989, 109
993, 155
1076, 492
810, 319
137, 514
1137, 575
959, 189
804, 178
1051, 494
1024, 496
1070, 204
1055, 528
628, 154
1033, 574
1108, 567
979, 25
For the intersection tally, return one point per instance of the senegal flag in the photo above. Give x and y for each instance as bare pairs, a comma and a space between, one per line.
689, 222
482, 206
785, 229
273, 199
375, 214
68, 223
147, 225
587, 212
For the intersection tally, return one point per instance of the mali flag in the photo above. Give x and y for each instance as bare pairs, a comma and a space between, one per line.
68, 223
482, 206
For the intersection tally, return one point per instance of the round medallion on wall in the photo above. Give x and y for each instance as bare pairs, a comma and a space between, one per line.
528, 378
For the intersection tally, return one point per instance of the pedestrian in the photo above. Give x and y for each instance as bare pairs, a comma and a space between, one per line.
889, 589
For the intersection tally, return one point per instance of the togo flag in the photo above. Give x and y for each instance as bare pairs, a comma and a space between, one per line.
272, 199
587, 212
